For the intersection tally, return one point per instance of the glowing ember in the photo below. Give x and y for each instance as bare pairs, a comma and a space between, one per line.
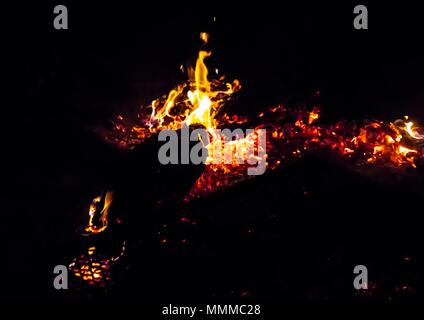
94, 268
290, 133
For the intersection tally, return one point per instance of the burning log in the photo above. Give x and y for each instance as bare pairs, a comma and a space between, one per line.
140, 184
292, 133
144, 182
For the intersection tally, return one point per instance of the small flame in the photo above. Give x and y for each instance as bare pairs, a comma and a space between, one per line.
204, 36
99, 213
413, 132
313, 116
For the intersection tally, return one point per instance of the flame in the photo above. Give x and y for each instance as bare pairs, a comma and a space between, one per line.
291, 133
204, 36
375, 143
413, 132
99, 214
313, 116
410, 129
385, 141
195, 102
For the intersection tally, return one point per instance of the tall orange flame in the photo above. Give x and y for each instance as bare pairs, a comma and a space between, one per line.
200, 101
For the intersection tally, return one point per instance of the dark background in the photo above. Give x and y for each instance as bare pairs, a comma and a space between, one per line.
115, 57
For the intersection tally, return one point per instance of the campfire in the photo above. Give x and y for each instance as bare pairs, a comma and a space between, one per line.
291, 133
